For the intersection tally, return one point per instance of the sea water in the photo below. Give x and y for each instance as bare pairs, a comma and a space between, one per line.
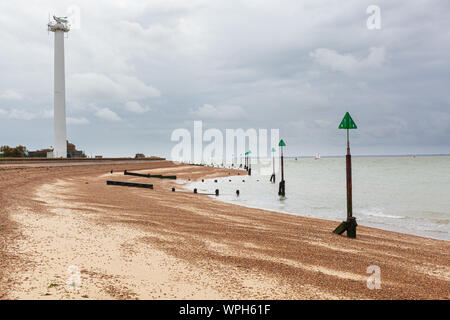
404, 194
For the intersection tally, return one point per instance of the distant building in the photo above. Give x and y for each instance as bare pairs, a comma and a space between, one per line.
39, 153
98, 157
139, 156
72, 152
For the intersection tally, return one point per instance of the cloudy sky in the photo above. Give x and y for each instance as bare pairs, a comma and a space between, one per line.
137, 70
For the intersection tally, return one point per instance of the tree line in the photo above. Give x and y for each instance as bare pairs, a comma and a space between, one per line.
17, 152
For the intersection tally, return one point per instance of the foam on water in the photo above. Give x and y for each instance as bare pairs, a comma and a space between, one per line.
404, 194
379, 213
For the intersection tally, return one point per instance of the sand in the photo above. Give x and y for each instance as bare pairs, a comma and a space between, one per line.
132, 243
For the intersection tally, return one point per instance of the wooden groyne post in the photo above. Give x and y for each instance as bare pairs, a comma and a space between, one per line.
129, 184
148, 175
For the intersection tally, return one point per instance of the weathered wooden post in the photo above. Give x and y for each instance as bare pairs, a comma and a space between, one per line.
281, 188
272, 177
349, 225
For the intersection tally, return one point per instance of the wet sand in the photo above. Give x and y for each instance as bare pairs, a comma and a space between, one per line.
132, 243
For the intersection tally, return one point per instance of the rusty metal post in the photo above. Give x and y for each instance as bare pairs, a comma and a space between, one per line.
348, 158
351, 221
282, 186
350, 224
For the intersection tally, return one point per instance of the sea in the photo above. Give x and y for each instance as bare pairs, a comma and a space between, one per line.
407, 194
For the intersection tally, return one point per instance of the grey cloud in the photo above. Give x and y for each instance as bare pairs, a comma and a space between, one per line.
348, 63
107, 114
222, 112
293, 65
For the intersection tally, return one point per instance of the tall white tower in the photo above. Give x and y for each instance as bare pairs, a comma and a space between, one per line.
59, 27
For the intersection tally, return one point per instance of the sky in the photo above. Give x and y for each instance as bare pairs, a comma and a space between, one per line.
138, 70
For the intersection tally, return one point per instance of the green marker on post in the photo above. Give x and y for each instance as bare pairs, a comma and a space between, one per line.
347, 122
349, 225
281, 188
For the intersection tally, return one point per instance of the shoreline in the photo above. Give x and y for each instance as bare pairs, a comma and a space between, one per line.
388, 228
139, 244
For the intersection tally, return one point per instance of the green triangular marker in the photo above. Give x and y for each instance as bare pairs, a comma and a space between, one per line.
347, 122
282, 144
